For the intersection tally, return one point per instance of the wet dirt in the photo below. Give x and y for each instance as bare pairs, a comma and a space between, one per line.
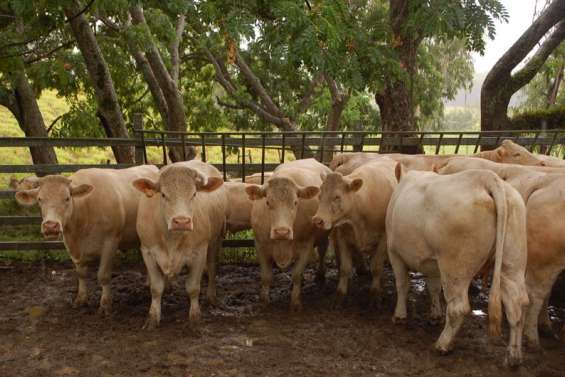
42, 335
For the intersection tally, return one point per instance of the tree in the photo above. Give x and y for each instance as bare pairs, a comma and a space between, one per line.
109, 111
501, 82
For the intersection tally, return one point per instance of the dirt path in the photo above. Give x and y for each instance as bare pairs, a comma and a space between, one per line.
41, 335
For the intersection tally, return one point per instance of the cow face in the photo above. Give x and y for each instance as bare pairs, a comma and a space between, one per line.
512, 153
55, 196
336, 200
281, 198
177, 188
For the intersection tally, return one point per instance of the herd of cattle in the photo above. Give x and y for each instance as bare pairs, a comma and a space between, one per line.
449, 217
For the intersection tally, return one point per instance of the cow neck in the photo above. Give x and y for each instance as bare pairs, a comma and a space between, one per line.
77, 224
360, 225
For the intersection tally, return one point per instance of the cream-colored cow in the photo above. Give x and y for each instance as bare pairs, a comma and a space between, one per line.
447, 227
181, 222
95, 211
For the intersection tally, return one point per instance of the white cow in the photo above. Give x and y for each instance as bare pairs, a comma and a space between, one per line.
447, 227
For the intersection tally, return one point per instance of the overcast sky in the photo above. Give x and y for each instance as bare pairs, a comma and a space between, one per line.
521, 13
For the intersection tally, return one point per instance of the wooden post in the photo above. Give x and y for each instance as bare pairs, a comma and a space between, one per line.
140, 148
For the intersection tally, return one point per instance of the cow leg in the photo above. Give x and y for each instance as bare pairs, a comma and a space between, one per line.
514, 299
82, 292
377, 265
544, 322
297, 271
105, 276
157, 286
345, 267
212, 261
193, 283
433, 283
266, 265
539, 287
456, 296
401, 281
322, 247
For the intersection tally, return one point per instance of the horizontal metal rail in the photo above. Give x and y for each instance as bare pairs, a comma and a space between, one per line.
59, 245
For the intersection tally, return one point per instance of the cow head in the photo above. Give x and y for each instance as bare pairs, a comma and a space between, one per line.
337, 196
177, 186
55, 195
512, 153
281, 198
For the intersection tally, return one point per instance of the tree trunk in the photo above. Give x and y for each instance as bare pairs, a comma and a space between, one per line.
176, 119
30, 120
500, 83
339, 102
108, 106
395, 99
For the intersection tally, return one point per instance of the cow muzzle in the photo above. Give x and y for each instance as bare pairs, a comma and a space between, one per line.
320, 223
281, 233
51, 230
181, 223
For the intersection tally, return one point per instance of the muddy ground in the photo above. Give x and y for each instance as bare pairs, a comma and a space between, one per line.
41, 335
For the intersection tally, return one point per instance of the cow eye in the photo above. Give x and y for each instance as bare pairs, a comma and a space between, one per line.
516, 155
163, 195
295, 203
268, 204
193, 195
39, 200
67, 199
337, 197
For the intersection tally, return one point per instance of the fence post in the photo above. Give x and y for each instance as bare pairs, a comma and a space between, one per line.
138, 135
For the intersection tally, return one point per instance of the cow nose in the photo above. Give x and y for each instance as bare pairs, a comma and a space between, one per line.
282, 233
182, 223
318, 221
51, 227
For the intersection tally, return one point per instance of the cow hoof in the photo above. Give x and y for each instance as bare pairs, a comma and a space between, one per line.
533, 346
105, 311
212, 301
150, 324
296, 307
513, 361
338, 300
441, 350
399, 320
79, 303
194, 317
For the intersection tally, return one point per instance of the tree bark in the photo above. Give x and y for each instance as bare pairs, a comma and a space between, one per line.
176, 119
267, 110
395, 99
554, 89
339, 102
108, 105
500, 83
24, 107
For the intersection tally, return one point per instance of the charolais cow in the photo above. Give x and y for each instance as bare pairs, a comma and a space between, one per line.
282, 220
181, 222
448, 226
355, 206
346, 163
512, 153
26, 183
543, 192
95, 211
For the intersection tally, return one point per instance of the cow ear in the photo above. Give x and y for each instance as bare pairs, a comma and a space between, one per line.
27, 197
255, 192
13, 183
500, 152
212, 184
81, 190
399, 171
146, 186
542, 163
308, 192
355, 184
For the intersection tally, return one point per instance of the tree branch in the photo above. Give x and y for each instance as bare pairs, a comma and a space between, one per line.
531, 68
229, 105
309, 94
174, 48
520, 49
48, 53
257, 86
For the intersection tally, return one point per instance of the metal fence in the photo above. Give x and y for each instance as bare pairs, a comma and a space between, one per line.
239, 154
